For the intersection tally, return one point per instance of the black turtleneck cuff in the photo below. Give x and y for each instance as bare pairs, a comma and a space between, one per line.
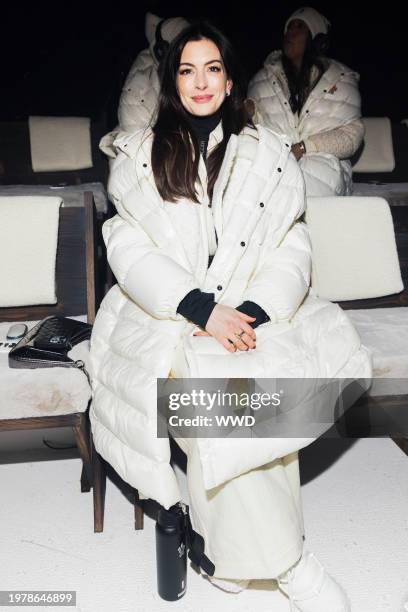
197, 306
253, 310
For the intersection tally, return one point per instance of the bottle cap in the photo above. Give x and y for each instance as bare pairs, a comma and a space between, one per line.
170, 518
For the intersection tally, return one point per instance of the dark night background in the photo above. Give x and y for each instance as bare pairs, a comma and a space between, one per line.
71, 59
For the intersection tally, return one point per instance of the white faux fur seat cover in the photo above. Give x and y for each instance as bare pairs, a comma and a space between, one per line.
43, 391
354, 250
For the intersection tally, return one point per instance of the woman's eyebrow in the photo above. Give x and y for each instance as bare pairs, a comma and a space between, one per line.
210, 62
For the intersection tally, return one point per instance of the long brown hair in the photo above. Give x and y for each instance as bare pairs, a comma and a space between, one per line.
174, 161
299, 80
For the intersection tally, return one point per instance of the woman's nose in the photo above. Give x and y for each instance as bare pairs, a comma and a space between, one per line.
201, 80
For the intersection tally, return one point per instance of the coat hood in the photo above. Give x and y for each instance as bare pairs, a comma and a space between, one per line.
170, 29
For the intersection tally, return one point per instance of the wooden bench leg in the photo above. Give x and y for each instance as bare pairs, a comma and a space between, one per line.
82, 431
93, 469
138, 510
85, 484
99, 489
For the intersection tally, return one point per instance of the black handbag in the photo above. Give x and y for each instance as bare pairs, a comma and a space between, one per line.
47, 344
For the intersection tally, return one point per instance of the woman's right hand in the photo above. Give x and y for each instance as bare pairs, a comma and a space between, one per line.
225, 323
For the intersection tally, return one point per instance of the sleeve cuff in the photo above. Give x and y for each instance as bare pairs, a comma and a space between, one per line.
253, 310
310, 146
197, 307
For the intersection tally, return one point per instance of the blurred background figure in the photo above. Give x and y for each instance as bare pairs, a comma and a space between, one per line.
314, 100
141, 89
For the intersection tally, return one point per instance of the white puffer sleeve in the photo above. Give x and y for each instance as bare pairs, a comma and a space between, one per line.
152, 279
260, 92
146, 272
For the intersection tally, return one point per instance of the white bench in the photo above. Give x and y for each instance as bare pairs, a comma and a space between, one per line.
356, 263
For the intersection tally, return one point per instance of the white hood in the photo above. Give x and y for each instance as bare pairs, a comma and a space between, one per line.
170, 28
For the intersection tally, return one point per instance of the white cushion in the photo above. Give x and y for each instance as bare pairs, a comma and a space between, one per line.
43, 391
72, 195
354, 255
28, 247
60, 143
378, 150
385, 332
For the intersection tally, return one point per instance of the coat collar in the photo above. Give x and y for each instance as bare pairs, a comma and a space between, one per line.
215, 137
130, 143
138, 144
335, 72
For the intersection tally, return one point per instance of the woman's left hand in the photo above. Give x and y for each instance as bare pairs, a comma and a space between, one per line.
297, 151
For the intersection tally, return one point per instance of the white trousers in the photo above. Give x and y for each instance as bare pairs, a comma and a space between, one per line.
252, 525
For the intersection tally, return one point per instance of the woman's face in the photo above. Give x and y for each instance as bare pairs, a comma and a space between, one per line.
201, 78
295, 39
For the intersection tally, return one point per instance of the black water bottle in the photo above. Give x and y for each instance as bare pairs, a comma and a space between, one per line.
171, 553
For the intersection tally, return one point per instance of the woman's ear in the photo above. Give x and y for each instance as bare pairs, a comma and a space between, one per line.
229, 85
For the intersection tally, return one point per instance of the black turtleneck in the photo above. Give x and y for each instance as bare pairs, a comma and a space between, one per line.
197, 305
203, 126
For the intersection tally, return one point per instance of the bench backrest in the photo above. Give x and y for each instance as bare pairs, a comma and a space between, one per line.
76, 274
356, 261
377, 152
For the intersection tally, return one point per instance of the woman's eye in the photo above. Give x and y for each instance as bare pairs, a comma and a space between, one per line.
185, 71
215, 69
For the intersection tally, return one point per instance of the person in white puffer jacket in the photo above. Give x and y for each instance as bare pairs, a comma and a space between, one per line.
213, 269
140, 91
314, 100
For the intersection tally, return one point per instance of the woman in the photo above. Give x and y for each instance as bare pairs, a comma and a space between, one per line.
314, 100
204, 186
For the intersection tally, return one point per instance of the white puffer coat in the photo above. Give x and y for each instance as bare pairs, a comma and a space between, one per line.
334, 101
140, 93
263, 255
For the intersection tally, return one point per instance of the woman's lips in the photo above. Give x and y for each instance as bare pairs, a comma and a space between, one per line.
201, 99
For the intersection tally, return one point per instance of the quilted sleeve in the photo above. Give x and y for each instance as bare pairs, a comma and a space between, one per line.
144, 271
260, 92
152, 279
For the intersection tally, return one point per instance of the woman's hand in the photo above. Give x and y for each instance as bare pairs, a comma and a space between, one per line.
298, 150
226, 324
